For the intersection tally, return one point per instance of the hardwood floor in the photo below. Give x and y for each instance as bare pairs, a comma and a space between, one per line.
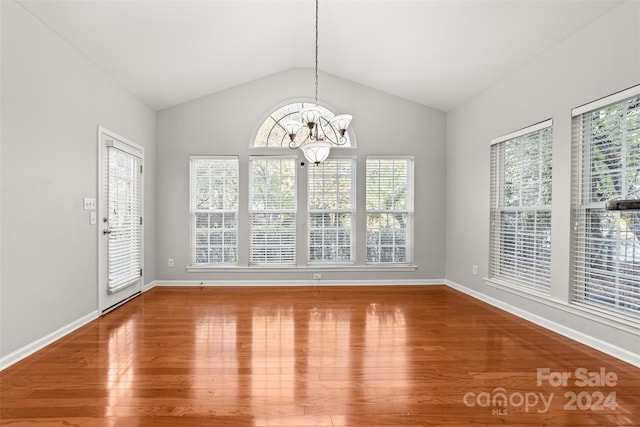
309, 356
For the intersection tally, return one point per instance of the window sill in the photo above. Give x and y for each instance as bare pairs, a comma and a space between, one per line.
301, 269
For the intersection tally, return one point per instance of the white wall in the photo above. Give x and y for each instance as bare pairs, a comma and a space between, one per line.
224, 123
602, 58
53, 100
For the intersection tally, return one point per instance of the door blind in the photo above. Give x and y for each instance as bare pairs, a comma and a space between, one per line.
124, 219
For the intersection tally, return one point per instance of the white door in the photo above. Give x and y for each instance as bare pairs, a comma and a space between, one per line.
120, 220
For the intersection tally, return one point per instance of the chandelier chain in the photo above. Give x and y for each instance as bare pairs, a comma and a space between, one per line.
317, 142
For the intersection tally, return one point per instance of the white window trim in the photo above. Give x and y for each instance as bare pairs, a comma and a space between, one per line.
521, 132
603, 102
305, 268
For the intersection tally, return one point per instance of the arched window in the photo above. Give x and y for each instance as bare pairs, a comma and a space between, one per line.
271, 132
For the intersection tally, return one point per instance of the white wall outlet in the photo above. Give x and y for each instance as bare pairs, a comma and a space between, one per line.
475, 270
170, 262
89, 204
317, 276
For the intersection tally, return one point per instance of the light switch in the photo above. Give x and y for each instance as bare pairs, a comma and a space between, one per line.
93, 218
89, 204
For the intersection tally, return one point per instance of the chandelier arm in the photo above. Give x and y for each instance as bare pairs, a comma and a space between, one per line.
337, 143
293, 144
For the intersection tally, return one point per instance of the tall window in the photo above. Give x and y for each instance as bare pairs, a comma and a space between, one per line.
606, 244
214, 210
330, 197
520, 249
272, 210
389, 201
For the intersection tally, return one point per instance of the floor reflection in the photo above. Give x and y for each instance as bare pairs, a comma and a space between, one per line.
273, 360
217, 362
309, 359
329, 356
122, 357
385, 364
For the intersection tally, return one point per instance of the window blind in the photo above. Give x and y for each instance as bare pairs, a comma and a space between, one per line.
520, 232
214, 210
124, 217
272, 210
330, 197
605, 273
389, 202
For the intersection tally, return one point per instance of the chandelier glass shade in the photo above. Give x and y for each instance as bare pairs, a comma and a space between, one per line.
316, 151
317, 142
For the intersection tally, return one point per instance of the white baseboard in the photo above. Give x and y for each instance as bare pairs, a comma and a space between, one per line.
595, 343
148, 286
321, 282
39, 344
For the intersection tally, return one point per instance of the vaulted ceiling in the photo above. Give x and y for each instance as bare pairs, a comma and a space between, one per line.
437, 53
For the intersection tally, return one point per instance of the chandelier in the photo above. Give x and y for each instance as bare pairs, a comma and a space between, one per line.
317, 142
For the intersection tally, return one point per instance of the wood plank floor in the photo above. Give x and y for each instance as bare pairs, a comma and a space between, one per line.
315, 356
